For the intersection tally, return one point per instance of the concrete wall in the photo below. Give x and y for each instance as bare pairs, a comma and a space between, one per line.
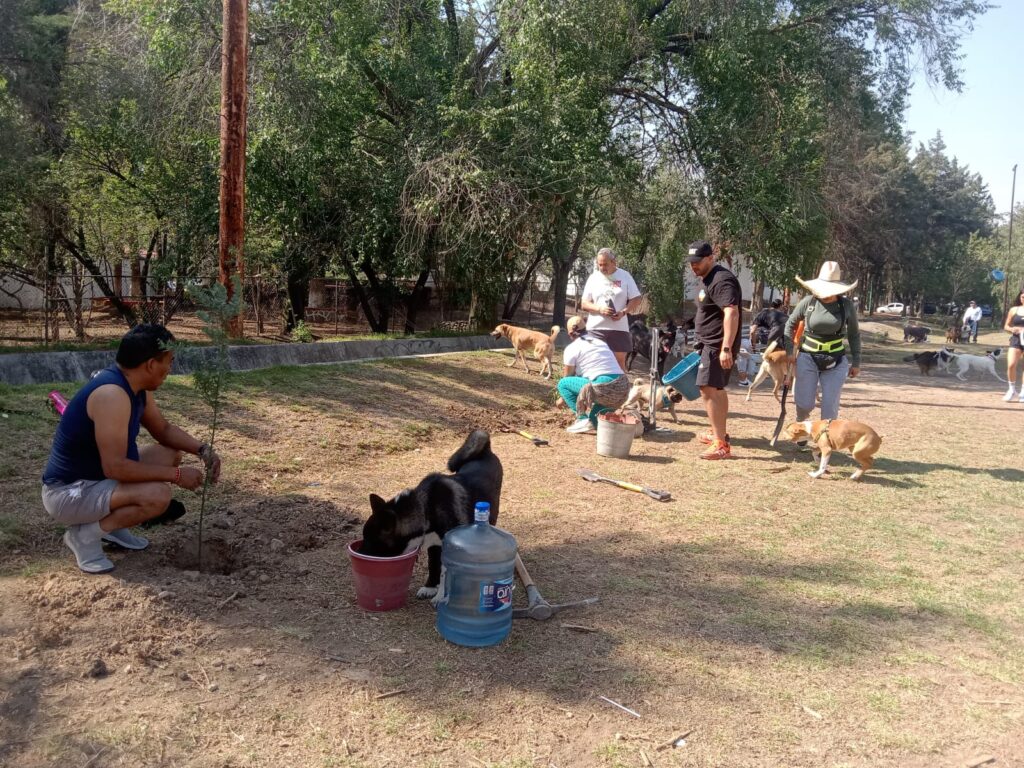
53, 367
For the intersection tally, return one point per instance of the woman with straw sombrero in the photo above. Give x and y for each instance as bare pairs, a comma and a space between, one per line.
830, 347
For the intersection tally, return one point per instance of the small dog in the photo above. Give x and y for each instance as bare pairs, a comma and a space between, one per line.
826, 436
524, 340
915, 333
965, 363
926, 361
774, 363
640, 397
421, 516
953, 334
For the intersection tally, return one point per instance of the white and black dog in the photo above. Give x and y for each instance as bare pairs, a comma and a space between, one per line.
421, 516
965, 363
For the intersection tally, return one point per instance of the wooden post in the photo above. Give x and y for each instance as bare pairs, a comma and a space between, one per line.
233, 104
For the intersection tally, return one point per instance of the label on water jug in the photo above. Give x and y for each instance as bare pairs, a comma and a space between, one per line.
495, 595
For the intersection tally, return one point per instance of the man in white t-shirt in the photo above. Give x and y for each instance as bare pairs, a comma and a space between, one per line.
586, 360
609, 295
972, 316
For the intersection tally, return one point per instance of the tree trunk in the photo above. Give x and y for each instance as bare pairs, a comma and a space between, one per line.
757, 298
298, 296
413, 301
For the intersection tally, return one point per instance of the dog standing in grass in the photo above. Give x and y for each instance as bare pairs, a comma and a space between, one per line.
830, 435
525, 340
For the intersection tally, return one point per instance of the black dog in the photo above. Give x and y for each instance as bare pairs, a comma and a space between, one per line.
915, 333
641, 336
421, 516
928, 361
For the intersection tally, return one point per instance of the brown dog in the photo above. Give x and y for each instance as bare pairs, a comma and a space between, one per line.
837, 434
953, 335
524, 340
640, 397
775, 363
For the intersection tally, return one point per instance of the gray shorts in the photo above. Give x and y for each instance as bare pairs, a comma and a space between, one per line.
80, 502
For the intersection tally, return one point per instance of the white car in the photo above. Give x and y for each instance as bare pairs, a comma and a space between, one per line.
895, 308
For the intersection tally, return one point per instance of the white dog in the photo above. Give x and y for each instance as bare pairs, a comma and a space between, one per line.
965, 363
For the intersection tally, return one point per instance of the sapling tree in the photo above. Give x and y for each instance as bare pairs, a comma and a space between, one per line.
211, 372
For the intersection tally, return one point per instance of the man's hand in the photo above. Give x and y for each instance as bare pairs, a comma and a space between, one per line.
608, 312
725, 358
190, 478
211, 460
853, 373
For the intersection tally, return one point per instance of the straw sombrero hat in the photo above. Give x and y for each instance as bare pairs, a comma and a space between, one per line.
828, 282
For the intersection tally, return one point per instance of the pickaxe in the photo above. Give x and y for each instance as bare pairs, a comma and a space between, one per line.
538, 608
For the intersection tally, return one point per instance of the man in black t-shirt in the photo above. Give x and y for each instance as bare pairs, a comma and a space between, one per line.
769, 325
717, 331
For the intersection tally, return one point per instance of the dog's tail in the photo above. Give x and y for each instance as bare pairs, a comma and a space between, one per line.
554, 332
477, 444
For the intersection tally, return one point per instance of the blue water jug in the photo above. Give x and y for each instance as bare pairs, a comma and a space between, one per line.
479, 568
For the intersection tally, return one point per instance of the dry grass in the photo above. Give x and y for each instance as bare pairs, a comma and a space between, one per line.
781, 620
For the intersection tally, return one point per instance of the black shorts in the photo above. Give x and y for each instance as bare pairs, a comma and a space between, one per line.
1015, 342
710, 373
617, 341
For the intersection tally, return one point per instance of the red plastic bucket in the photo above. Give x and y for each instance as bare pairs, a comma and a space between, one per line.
382, 583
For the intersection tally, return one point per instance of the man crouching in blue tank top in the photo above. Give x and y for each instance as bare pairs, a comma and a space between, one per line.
98, 482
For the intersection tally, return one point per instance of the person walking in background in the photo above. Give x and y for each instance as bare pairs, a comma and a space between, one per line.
609, 295
1014, 326
768, 325
592, 379
717, 332
972, 316
830, 349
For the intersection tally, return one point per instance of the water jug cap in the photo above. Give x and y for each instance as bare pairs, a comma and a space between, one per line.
482, 512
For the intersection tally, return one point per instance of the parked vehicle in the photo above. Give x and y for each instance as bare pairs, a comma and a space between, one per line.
986, 310
894, 308
929, 309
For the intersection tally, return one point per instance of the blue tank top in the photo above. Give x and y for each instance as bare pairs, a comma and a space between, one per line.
75, 455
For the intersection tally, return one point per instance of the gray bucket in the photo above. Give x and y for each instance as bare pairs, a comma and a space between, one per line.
615, 434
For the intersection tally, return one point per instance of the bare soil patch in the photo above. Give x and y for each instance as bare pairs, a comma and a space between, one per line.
777, 620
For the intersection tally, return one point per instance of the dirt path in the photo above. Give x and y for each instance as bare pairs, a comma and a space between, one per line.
778, 620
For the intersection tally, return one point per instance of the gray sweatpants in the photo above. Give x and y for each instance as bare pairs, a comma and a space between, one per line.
805, 388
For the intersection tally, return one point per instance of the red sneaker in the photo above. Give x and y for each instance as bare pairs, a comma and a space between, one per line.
719, 450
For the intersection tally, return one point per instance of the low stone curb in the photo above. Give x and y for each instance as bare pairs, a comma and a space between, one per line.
53, 367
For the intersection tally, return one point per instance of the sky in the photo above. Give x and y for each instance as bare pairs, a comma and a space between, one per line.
983, 126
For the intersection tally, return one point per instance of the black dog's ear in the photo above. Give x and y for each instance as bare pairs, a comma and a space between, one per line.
382, 511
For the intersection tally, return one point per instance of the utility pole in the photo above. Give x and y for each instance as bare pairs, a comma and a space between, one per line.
233, 106
1009, 248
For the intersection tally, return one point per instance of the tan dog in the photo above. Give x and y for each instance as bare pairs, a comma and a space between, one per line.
835, 435
774, 363
524, 340
640, 397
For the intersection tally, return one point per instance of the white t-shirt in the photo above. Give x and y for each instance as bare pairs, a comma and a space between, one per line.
591, 358
972, 314
620, 288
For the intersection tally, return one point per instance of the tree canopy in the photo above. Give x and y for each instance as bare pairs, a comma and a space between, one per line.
479, 143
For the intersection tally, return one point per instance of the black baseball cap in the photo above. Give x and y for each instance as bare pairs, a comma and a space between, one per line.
699, 250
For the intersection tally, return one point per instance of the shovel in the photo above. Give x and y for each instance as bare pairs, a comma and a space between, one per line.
593, 477
536, 440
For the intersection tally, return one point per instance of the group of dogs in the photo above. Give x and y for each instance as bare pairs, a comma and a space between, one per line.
948, 360
955, 334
